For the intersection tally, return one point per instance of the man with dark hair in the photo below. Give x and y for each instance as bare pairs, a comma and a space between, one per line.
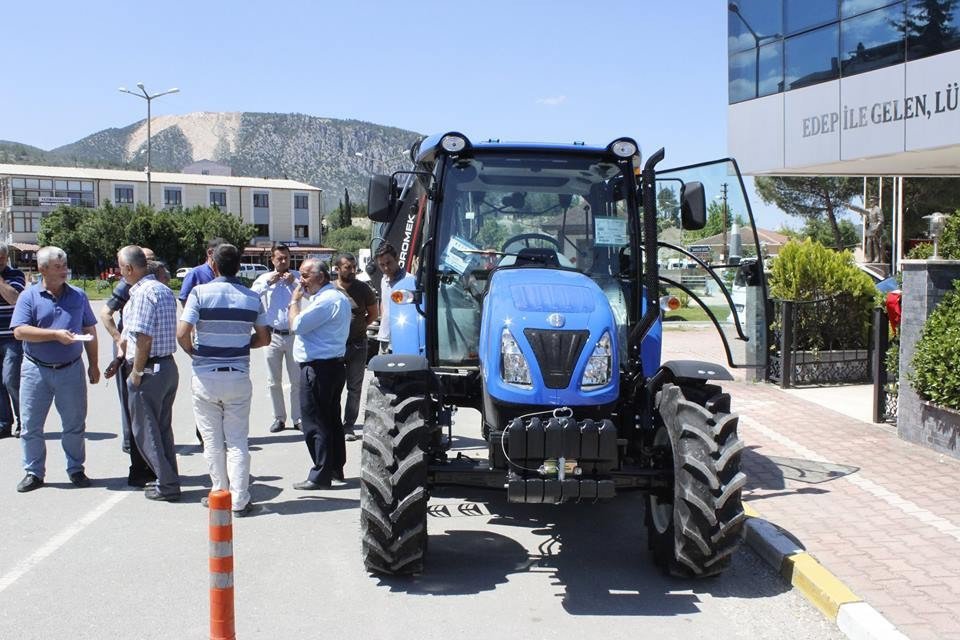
389, 265
363, 305
275, 289
56, 324
12, 283
148, 342
320, 332
222, 320
201, 274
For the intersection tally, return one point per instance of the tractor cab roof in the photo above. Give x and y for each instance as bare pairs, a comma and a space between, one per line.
454, 142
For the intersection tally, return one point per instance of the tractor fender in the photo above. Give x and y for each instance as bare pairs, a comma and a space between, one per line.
696, 370
396, 363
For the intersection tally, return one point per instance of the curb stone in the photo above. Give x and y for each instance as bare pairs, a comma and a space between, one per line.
854, 617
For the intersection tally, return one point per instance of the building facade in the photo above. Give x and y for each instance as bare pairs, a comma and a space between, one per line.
846, 87
281, 210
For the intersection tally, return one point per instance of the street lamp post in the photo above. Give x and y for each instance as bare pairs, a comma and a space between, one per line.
757, 39
146, 96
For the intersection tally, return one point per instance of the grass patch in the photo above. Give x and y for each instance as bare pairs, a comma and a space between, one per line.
696, 314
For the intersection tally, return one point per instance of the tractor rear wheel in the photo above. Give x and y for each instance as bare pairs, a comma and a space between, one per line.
695, 528
393, 481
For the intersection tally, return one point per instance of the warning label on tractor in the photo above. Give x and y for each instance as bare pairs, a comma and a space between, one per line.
610, 232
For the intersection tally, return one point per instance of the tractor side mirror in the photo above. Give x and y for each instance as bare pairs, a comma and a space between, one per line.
693, 206
381, 203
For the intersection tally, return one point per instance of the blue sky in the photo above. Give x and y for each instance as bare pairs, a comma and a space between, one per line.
538, 70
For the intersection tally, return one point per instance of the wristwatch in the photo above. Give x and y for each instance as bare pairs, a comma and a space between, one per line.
136, 374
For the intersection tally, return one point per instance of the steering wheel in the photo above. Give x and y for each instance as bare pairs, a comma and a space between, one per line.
531, 240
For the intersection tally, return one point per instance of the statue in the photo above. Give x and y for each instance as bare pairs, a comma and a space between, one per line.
872, 230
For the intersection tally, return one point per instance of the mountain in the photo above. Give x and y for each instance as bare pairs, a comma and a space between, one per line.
325, 152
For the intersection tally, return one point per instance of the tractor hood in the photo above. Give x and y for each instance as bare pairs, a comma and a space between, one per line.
556, 318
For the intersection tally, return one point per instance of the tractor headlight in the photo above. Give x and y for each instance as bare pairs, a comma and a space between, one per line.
513, 366
599, 364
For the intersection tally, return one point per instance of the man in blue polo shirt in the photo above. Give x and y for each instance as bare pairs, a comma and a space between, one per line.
201, 274
56, 324
11, 353
222, 320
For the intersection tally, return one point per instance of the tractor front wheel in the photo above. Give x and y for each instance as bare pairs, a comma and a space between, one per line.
695, 528
393, 481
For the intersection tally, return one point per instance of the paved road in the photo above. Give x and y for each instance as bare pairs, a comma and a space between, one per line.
106, 563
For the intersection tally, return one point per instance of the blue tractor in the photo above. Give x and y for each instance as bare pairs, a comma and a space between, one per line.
531, 293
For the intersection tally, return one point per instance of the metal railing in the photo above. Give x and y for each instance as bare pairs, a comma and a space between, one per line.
822, 341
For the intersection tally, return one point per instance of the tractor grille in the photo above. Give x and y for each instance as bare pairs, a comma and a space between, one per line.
557, 353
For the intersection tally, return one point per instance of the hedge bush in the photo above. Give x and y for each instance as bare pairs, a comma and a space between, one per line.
807, 271
935, 375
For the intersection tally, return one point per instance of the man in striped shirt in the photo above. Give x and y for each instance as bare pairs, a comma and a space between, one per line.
11, 353
222, 320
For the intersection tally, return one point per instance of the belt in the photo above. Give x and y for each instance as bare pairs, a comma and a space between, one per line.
279, 332
226, 369
313, 363
50, 365
155, 359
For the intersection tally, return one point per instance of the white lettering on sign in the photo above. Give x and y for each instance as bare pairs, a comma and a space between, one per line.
920, 106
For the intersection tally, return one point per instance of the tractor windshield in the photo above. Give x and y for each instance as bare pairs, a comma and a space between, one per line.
564, 212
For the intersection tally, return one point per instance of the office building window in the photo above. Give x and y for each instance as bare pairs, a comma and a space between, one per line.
812, 57
261, 200
301, 201
872, 40
26, 222
301, 231
172, 197
932, 28
748, 17
853, 7
123, 194
800, 15
263, 230
218, 198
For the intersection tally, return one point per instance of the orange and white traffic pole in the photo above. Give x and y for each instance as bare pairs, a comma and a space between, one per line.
221, 566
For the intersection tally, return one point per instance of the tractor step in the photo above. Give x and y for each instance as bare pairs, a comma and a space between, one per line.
551, 491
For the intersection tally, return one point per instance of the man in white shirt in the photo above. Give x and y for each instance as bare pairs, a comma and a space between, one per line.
275, 289
389, 266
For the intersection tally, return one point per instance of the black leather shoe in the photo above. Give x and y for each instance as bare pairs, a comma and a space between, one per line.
140, 482
309, 485
277, 426
29, 483
16, 433
298, 425
152, 493
80, 479
352, 436
243, 513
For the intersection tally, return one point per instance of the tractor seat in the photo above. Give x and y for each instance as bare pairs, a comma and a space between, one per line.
540, 256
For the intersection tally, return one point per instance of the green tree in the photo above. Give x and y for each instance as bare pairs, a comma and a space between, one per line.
63, 228
196, 225
811, 197
350, 239
819, 231
715, 223
668, 209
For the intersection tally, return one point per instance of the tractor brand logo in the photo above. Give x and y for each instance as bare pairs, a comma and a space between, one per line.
407, 237
556, 320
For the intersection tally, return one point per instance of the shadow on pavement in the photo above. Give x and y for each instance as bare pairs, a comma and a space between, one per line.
595, 554
287, 436
308, 504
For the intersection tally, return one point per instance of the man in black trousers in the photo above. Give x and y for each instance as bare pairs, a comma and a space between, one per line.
320, 317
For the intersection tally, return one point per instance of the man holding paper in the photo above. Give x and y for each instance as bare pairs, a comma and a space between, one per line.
56, 324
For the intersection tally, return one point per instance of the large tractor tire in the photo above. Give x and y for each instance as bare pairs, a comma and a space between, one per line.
695, 528
393, 481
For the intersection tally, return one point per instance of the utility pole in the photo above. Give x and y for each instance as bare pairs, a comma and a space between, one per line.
146, 96
723, 195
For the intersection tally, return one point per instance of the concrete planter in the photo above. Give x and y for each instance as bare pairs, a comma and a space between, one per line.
940, 428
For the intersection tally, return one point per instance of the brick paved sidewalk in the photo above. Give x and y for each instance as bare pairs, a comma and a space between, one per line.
883, 515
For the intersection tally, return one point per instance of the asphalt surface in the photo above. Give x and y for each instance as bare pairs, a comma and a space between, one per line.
104, 562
